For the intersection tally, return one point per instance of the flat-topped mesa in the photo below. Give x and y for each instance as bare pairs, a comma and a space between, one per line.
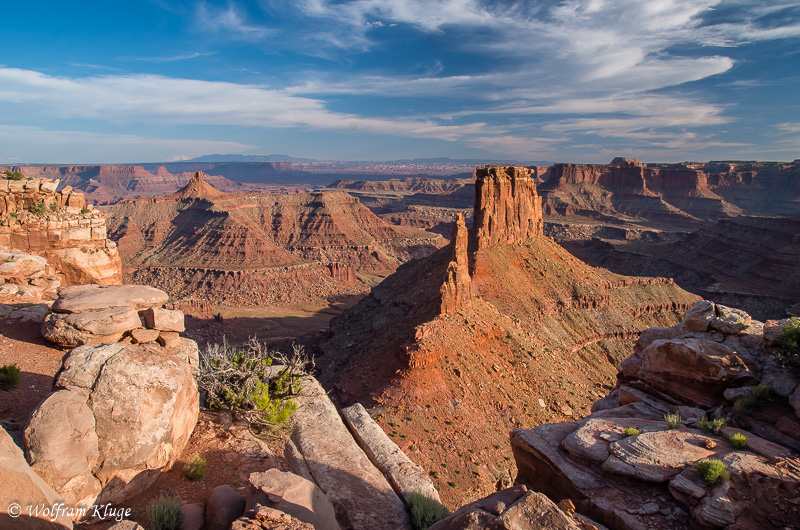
507, 208
198, 188
456, 290
620, 173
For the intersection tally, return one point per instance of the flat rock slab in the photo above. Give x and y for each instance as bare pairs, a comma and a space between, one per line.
591, 441
656, 456
78, 329
83, 298
405, 476
361, 496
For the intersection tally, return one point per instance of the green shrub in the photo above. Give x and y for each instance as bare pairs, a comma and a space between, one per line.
425, 511
164, 513
712, 426
752, 401
9, 377
738, 441
244, 380
195, 469
13, 175
630, 431
85, 210
790, 336
712, 470
37, 208
673, 421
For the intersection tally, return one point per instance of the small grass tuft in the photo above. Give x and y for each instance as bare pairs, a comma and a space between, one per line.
196, 468
712, 426
425, 511
752, 401
630, 431
9, 377
673, 421
712, 470
164, 513
738, 441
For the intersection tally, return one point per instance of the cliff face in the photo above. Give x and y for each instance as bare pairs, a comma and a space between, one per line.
445, 350
58, 225
205, 243
677, 194
507, 207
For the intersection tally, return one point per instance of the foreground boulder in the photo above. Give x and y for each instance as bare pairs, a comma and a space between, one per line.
22, 488
627, 468
294, 495
119, 415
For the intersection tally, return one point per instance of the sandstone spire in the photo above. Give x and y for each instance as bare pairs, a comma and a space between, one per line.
198, 188
455, 291
507, 207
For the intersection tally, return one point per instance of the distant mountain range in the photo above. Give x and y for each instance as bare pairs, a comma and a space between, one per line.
436, 160
249, 158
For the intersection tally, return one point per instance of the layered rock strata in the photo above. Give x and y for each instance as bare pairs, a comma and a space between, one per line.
625, 466
60, 226
267, 248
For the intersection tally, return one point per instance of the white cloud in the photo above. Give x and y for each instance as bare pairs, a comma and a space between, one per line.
159, 99
34, 144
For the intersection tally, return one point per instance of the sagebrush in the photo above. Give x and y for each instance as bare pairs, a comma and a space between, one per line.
712, 426
712, 470
673, 421
425, 511
196, 468
164, 513
630, 431
253, 381
738, 441
752, 401
9, 377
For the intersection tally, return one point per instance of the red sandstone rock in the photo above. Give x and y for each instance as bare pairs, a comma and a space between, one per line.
455, 291
507, 207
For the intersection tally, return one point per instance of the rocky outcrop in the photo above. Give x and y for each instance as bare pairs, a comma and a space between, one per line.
456, 290
507, 208
93, 314
60, 226
321, 447
511, 509
626, 467
403, 474
26, 501
27, 285
118, 416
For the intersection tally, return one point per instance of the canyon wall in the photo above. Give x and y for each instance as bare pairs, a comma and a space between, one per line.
60, 226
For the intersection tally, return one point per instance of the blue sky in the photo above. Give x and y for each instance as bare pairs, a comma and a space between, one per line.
577, 81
